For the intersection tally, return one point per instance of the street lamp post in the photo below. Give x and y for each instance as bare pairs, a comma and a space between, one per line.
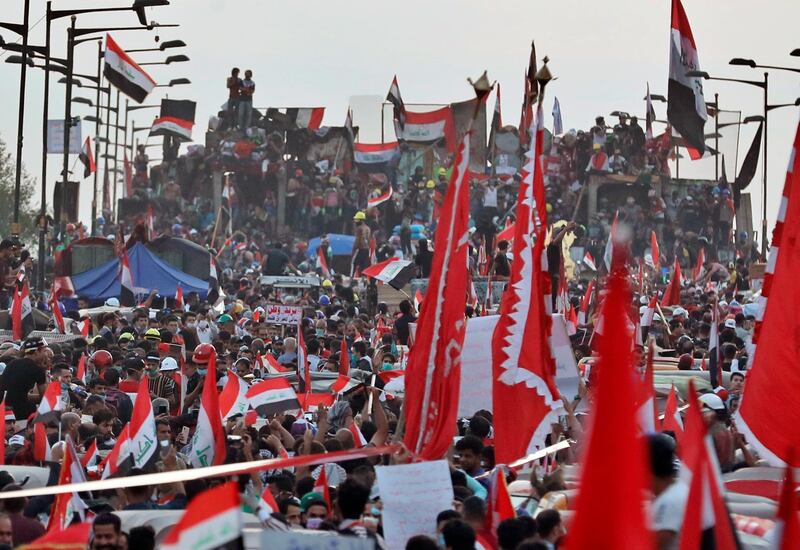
23, 31
764, 85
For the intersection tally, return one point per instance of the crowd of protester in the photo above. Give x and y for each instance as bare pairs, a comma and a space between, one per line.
344, 323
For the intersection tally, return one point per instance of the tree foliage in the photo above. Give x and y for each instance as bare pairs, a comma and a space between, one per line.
27, 213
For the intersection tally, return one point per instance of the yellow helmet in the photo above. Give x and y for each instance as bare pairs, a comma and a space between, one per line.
442, 171
430, 184
360, 216
326, 284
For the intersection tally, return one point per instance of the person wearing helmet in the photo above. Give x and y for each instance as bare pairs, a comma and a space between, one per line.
362, 234
100, 361
169, 369
225, 322
195, 371
153, 335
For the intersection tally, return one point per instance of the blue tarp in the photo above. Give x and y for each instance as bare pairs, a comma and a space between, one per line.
341, 245
148, 271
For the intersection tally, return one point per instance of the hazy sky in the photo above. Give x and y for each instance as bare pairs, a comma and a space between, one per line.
319, 53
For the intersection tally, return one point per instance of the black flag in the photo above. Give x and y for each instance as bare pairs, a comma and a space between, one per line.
748, 169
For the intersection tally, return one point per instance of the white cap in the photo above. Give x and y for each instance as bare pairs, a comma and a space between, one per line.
730, 323
112, 302
168, 364
712, 401
680, 312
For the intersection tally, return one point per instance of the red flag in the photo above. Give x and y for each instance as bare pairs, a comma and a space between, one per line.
786, 535
648, 410
525, 397
624, 525
90, 456
321, 485
266, 504
127, 295
74, 537
434, 362
672, 417
179, 297
344, 358
654, 251
773, 377
705, 506
672, 294
499, 506
271, 363
87, 158
41, 446
80, 371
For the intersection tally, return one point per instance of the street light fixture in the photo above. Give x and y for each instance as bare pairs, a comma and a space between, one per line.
84, 100
164, 46
764, 85
743, 62
180, 58
174, 82
779, 105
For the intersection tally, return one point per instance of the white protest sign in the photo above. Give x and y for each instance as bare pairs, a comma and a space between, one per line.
279, 314
55, 138
476, 363
412, 496
476, 366
293, 540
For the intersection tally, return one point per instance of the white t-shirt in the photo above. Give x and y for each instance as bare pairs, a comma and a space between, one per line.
490, 197
669, 507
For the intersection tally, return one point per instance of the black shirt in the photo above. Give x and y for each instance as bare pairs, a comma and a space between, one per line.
424, 259
20, 376
275, 262
402, 328
502, 268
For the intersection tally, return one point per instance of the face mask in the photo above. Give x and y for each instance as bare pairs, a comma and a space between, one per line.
387, 366
64, 387
191, 325
313, 523
201, 372
320, 332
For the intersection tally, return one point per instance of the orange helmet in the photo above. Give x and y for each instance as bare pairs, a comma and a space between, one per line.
202, 353
101, 359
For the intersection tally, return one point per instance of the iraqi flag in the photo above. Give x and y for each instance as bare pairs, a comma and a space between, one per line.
343, 384
608, 255
58, 318
118, 461
686, 106
655, 254
272, 397
586, 300
268, 362
21, 311
306, 117
322, 262
372, 202
208, 443
51, 402
212, 520
175, 120
127, 296
394, 272
374, 157
322, 486
66, 505
358, 438
396, 100
123, 72
266, 505
87, 158
588, 261
143, 427
430, 127
786, 533
233, 398
90, 457
699, 266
